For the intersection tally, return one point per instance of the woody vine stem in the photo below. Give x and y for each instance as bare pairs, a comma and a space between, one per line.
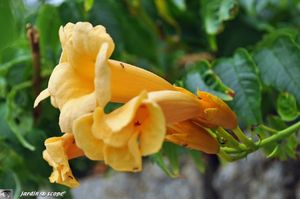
233, 150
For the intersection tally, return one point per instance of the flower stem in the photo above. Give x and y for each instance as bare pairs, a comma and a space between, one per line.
231, 141
243, 138
235, 153
269, 129
279, 135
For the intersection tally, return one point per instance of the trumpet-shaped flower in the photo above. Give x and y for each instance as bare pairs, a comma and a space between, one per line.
72, 81
58, 151
85, 80
213, 112
121, 137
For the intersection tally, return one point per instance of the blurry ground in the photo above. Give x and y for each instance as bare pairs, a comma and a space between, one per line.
252, 178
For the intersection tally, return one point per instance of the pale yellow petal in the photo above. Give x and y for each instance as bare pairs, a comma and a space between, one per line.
63, 57
153, 130
103, 77
65, 84
56, 155
128, 81
176, 105
91, 146
81, 43
114, 128
75, 108
102, 131
43, 95
127, 158
70, 146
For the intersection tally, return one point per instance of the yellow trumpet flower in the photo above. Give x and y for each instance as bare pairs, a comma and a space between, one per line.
214, 112
72, 80
121, 137
83, 83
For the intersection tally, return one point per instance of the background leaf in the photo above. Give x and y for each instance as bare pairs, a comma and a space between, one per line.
48, 23
200, 76
168, 159
287, 107
279, 66
88, 4
240, 74
215, 12
7, 20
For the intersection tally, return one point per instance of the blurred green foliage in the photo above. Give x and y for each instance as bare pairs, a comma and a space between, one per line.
250, 47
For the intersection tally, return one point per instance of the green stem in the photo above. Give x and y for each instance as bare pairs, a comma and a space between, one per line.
231, 158
231, 142
269, 129
231, 154
279, 135
243, 138
212, 42
233, 150
211, 133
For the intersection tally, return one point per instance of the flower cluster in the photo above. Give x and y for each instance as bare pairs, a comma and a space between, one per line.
153, 111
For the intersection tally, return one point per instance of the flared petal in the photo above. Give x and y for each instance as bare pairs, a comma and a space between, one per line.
56, 154
152, 131
74, 109
216, 112
192, 136
103, 77
114, 128
126, 158
43, 95
70, 146
81, 43
176, 105
140, 114
90, 145
65, 84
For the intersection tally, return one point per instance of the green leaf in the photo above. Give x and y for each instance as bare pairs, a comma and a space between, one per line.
9, 159
18, 122
48, 23
239, 73
180, 4
3, 85
136, 38
171, 151
285, 148
163, 11
88, 4
159, 160
201, 77
279, 66
168, 159
215, 12
5, 67
198, 160
287, 107
17, 190
8, 23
